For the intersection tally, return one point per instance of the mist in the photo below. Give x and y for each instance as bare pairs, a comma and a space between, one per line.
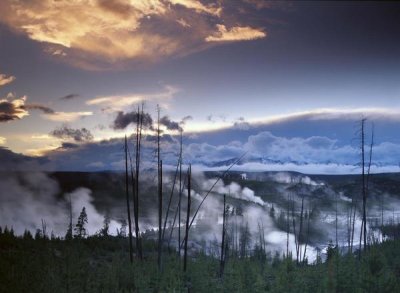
33, 198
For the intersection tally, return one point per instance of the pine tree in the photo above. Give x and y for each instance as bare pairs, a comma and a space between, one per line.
80, 229
106, 226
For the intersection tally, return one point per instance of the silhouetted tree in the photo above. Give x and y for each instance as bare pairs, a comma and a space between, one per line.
80, 230
106, 226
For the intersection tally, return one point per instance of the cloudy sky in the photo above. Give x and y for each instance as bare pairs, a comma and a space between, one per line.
286, 82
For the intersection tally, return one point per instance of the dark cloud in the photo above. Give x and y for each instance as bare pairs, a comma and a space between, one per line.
4, 117
69, 97
68, 145
171, 125
12, 110
186, 119
78, 135
214, 118
124, 119
241, 124
11, 161
40, 107
7, 107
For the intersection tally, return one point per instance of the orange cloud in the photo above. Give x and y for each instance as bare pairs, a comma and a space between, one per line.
118, 102
66, 116
236, 33
95, 34
198, 6
4, 79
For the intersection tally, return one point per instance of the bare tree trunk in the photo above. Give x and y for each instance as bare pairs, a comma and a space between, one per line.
361, 234
382, 217
180, 244
349, 229
294, 233
287, 226
160, 198
180, 196
353, 224
336, 221
295, 239
159, 170
212, 187
127, 202
170, 201
139, 127
172, 228
308, 234
263, 236
300, 237
222, 261
187, 220
367, 188
364, 218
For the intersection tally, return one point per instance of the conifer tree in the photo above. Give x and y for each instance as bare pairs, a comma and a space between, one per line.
80, 230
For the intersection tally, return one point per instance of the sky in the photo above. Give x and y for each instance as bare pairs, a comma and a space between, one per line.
286, 82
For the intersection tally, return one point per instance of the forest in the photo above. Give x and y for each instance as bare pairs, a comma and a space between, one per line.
101, 264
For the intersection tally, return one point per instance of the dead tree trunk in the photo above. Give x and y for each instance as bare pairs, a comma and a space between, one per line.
300, 237
353, 219
160, 198
336, 221
127, 201
296, 240
180, 197
308, 235
169, 203
382, 218
212, 187
367, 186
159, 170
287, 226
139, 128
187, 220
222, 260
364, 190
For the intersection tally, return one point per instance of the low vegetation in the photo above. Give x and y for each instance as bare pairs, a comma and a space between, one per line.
101, 264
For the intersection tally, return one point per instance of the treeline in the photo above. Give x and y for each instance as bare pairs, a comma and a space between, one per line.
99, 264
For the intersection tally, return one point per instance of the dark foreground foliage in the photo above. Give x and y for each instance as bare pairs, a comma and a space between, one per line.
101, 264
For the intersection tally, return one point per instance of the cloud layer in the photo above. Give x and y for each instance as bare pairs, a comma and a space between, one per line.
91, 34
309, 144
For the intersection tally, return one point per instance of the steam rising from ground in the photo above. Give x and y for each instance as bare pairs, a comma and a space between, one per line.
28, 198
233, 190
287, 178
81, 197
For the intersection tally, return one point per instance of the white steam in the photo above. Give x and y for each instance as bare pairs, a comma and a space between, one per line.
233, 190
27, 199
287, 178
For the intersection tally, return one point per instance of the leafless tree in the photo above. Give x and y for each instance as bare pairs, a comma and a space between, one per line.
160, 192
127, 202
187, 220
222, 260
135, 182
